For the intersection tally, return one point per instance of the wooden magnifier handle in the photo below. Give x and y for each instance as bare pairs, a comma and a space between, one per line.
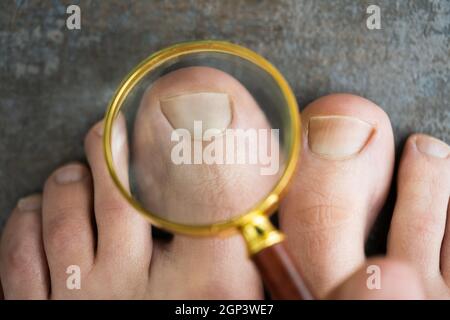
280, 275
270, 255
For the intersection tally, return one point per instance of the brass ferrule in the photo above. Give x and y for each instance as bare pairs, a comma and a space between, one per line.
259, 233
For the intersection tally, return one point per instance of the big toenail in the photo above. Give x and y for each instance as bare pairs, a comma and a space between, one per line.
69, 174
213, 109
432, 146
30, 203
337, 137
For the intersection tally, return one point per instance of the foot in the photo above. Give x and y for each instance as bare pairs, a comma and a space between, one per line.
81, 220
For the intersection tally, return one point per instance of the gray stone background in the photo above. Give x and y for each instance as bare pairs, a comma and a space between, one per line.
55, 83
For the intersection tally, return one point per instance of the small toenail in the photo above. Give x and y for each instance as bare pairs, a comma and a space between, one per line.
432, 146
213, 109
99, 129
118, 138
30, 203
337, 137
70, 173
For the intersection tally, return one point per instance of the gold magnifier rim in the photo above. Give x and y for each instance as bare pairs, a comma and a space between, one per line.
266, 206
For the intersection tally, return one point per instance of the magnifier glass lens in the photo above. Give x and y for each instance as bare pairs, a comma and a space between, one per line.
207, 138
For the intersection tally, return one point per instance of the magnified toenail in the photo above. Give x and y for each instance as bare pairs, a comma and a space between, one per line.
213, 109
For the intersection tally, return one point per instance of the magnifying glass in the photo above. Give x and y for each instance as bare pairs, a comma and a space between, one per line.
214, 159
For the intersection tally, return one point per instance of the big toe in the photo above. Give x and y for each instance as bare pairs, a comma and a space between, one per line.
344, 176
182, 147
175, 115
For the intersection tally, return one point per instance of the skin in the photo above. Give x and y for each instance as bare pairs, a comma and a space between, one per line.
326, 216
179, 190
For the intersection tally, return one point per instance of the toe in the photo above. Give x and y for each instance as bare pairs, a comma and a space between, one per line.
23, 265
190, 189
341, 183
381, 279
419, 220
68, 230
201, 193
445, 252
204, 269
124, 238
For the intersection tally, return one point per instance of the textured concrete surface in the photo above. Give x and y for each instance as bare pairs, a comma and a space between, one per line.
55, 83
